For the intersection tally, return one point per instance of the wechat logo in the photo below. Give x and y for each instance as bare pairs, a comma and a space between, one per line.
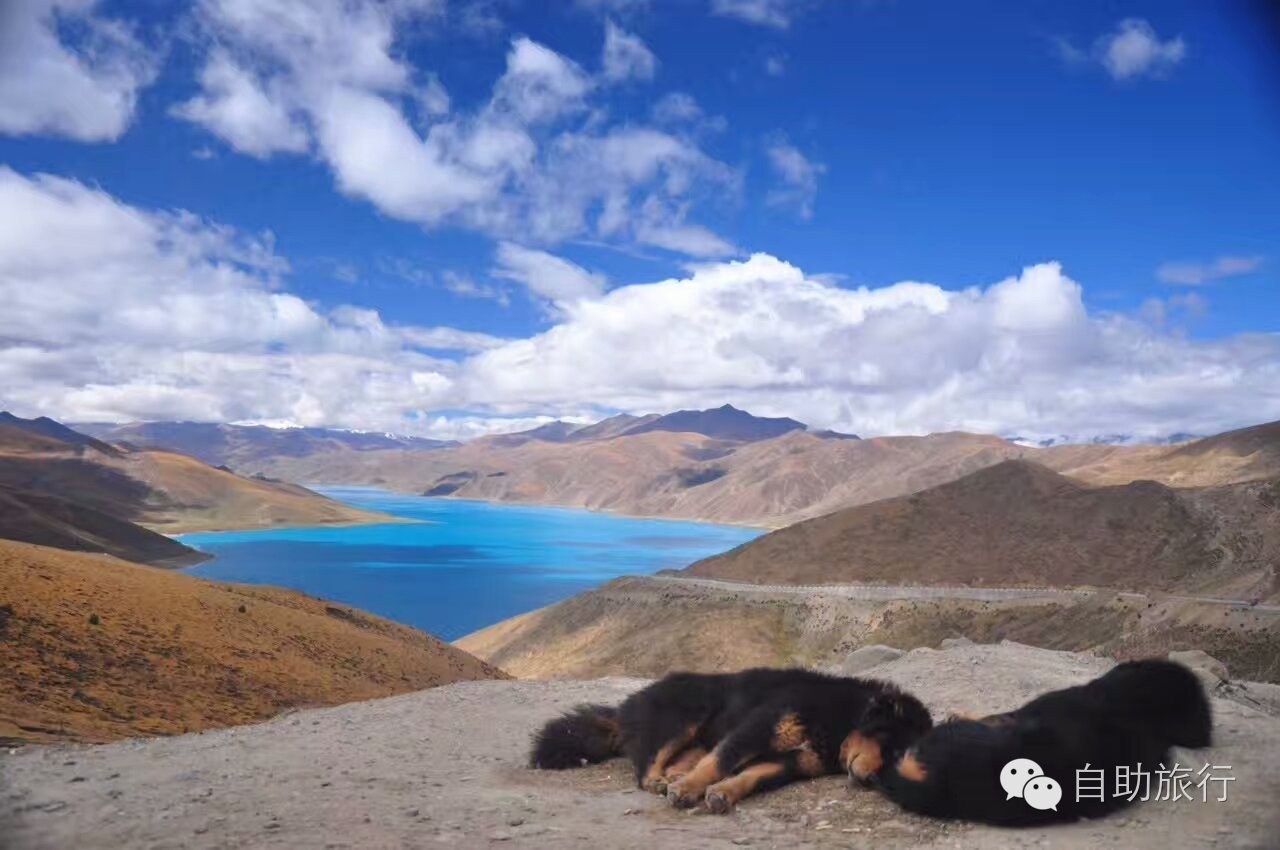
1024, 778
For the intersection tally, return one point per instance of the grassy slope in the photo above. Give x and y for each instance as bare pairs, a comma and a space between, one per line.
172, 653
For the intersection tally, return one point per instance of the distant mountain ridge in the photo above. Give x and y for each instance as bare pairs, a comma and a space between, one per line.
240, 446
722, 465
723, 423
43, 426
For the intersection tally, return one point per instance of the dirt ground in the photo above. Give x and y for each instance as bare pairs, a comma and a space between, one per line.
446, 766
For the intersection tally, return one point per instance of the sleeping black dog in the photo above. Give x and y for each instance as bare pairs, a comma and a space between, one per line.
1128, 719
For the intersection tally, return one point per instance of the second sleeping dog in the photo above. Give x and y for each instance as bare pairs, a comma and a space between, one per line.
716, 738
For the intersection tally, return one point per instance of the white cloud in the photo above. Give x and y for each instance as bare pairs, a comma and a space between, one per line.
536, 162
235, 107
546, 275
1133, 49
1022, 355
625, 56
465, 287
113, 312
66, 70
676, 107
116, 312
775, 64
1198, 274
777, 14
797, 176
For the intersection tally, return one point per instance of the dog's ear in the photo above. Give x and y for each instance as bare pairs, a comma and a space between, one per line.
894, 709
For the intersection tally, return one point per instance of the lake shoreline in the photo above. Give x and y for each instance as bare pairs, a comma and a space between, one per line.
320, 488
451, 566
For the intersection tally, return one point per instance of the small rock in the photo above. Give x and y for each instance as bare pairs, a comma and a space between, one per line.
742, 842
272, 825
76, 779
501, 836
412, 813
515, 821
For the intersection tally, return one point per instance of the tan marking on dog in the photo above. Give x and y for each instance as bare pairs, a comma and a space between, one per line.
910, 768
725, 794
789, 734
689, 788
861, 756
683, 763
809, 763
668, 751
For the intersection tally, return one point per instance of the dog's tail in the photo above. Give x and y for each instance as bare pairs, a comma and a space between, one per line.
586, 735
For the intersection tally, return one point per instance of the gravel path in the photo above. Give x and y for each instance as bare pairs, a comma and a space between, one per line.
889, 592
446, 766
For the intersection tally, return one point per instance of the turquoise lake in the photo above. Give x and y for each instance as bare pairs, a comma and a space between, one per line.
469, 565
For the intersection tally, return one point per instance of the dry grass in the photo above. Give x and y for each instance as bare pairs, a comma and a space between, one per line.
171, 653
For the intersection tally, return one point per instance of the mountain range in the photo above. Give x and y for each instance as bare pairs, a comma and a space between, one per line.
721, 465
246, 446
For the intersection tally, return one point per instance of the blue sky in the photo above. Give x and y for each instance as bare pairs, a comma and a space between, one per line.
452, 205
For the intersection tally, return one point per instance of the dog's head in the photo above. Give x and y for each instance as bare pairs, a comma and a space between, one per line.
891, 722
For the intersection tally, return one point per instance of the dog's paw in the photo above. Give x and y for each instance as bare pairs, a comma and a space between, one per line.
655, 785
717, 802
683, 796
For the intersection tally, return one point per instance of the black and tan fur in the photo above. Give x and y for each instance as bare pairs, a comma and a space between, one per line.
1130, 716
717, 738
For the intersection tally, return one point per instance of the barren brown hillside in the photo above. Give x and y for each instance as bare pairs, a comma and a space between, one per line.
49, 521
1018, 523
93, 649
162, 490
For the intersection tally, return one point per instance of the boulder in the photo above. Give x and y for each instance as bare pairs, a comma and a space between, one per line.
864, 658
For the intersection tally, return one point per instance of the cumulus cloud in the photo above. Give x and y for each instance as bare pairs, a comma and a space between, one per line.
625, 56
67, 70
1133, 49
537, 160
797, 177
113, 312
546, 275
1021, 355
1198, 274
